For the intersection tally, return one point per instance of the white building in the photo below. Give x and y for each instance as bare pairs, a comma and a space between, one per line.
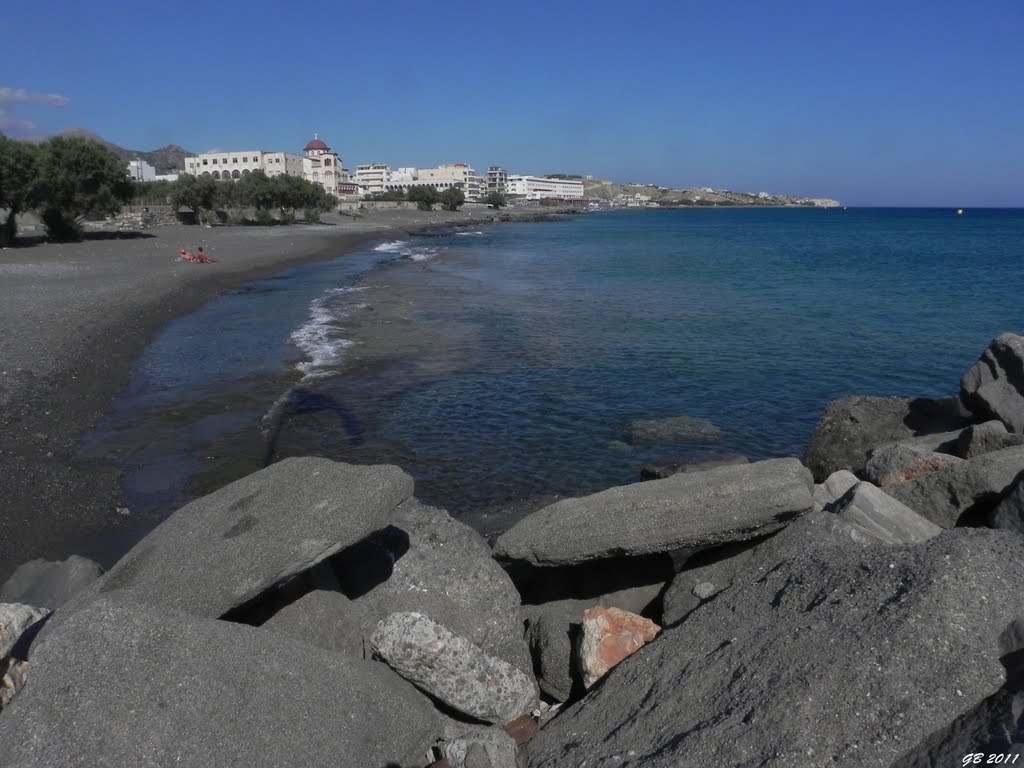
235, 165
322, 166
373, 176
539, 188
140, 170
497, 180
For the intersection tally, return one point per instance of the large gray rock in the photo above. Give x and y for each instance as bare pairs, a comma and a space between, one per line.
882, 517
968, 490
697, 510
834, 657
453, 669
49, 584
119, 684
480, 747
449, 574
675, 429
851, 427
223, 550
984, 438
18, 625
325, 619
1008, 514
993, 388
834, 486
711, 573
899, 462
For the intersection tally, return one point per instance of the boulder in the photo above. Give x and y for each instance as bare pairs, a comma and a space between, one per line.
610, 635
554, 629
965, 492
552, 636
833, 657
118, 683
447, 572
993, 728
480, 747
18, 625
984, 438
222, 550
851, 427
453, 669
693, 461
698, 510
712, 572
882, 517
675, 429
1008, 514
49, 584
325, 619
899, 462
834, 486
993, 388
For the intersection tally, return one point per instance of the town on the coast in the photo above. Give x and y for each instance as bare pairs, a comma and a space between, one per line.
378, 181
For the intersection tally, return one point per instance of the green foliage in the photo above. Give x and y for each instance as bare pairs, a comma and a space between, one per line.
195, 192
452, 198
78, 179
311, 215
152, 192
62, 226
264, 217
424, 197
391, 195
19, 169
496, 200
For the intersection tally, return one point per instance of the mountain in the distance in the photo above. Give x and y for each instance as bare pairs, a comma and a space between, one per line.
166, 159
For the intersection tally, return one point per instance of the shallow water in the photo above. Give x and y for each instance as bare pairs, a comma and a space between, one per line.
506, 362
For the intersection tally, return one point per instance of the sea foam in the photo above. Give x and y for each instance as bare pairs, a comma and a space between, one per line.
321, 337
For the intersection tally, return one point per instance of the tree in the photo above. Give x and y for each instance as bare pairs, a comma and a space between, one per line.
452, 198
424, 197
198, 193
78, 179
19, 169
496, 200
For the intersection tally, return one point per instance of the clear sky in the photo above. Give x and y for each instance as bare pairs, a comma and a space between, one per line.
902, 102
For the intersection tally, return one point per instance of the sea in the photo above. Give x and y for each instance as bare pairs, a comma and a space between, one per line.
502, 365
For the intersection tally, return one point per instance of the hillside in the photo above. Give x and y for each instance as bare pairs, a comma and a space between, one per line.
639, 194
166, 159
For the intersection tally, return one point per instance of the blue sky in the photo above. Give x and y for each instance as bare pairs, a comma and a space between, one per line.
885, 103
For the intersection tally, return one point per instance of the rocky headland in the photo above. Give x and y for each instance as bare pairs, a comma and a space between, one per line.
863, 606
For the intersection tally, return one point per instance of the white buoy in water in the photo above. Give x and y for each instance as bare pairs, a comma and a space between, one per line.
959, 211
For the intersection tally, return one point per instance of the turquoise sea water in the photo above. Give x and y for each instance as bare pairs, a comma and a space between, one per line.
505, 362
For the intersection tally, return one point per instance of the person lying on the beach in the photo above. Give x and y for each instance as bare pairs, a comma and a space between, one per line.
201, 256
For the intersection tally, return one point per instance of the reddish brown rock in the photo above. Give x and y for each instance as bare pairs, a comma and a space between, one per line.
609, 636
522, 729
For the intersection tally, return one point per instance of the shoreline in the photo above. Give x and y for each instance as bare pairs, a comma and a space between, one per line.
77, 316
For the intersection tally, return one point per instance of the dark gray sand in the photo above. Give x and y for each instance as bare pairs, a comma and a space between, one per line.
73, 317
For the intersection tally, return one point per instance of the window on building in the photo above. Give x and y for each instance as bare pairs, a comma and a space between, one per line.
204, 162
215, 161
234, 159
245, 159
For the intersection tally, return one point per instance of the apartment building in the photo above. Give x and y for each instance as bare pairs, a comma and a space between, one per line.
539, 188
372, 177
497, 180
235, 165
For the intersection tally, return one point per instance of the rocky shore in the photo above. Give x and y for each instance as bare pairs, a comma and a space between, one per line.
863, 606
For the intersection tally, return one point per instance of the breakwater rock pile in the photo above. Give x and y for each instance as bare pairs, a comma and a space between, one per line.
861, 607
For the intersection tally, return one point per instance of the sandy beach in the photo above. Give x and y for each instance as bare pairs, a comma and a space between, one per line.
75, 316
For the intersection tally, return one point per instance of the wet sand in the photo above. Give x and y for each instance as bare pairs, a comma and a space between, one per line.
73, 319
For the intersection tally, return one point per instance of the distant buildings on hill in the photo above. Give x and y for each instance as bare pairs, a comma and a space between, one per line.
321, 165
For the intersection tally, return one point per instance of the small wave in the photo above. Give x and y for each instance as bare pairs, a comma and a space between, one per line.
321, 337
403, 249
469, 234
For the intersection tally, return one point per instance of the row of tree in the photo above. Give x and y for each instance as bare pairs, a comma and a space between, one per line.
66, 180
207, 197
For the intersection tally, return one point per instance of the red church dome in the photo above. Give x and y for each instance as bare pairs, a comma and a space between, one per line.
315, 143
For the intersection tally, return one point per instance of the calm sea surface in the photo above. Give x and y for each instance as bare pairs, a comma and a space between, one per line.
503, 363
